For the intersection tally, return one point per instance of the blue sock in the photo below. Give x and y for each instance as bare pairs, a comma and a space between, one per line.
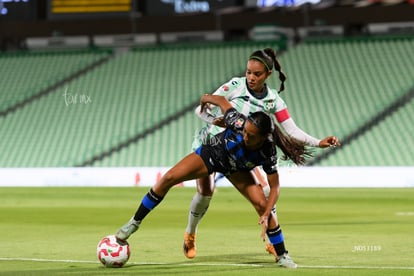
276, 238
149, 202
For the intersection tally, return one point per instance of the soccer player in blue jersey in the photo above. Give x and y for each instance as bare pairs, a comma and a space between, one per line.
246, 94
246, 142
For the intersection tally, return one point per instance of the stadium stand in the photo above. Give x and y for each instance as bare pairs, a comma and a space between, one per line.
389, 143
127, 95
29, 75
351, 81
136, 109
347, 123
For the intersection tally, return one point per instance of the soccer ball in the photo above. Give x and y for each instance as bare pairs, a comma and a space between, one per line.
112, 252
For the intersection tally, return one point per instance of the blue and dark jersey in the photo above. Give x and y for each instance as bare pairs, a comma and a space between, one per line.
226, 152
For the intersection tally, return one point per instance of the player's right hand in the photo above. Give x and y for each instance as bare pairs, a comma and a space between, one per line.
219, 121
263, 221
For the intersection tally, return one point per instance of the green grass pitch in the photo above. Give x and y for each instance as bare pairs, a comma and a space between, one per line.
342, 231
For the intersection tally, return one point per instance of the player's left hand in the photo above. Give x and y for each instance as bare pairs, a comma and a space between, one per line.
263, 221
203, 104
330, 141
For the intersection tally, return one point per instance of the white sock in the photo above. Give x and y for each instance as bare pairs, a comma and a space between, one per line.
198, 208
266, 191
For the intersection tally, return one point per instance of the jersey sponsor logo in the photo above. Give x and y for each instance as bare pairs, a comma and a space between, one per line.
225, 88
234, 82
239, 123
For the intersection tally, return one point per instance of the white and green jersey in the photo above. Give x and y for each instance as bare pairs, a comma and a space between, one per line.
244, 101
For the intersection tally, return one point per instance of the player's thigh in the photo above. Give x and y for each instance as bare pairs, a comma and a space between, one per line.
190, 167
245, 183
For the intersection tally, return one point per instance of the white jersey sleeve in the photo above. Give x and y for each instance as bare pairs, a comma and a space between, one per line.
205, 115
293, 130
288, 124
209, 114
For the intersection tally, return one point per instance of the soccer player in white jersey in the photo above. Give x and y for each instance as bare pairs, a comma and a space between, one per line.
246, 94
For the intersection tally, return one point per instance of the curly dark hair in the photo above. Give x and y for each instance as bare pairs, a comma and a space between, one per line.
293, 149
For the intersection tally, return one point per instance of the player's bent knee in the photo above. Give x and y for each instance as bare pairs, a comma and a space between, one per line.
260, 206
205, 191
170, 179
205, 186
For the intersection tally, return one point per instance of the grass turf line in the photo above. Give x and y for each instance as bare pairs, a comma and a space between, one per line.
327, 231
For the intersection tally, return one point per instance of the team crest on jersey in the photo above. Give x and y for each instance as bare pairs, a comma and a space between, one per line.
269, 105
239, 123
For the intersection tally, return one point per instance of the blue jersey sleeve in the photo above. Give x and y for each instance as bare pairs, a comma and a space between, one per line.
270, 163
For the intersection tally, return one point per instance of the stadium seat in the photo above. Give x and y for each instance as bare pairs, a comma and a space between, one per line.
333, 87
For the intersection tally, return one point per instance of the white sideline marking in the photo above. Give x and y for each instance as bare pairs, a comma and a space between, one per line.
47, 260
356, 267
215, 264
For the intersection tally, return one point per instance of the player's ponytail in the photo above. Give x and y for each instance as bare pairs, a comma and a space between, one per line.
293, 149
282, 77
